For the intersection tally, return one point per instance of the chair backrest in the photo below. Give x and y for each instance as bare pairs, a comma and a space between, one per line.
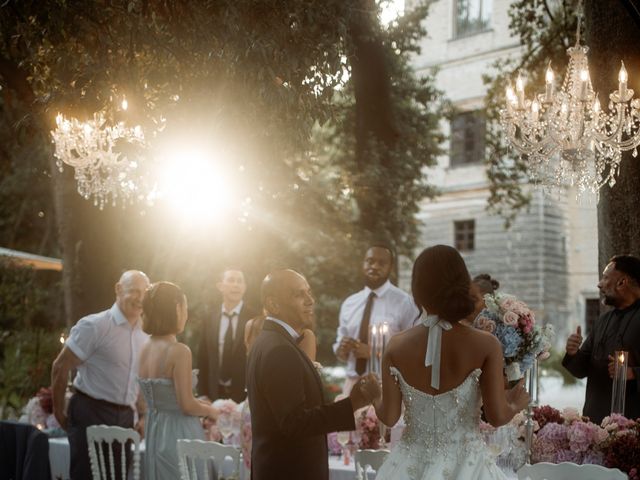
569, 471
97, 437
190, 451
369, 458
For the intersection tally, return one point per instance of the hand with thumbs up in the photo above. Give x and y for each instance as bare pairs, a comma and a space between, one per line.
574, 341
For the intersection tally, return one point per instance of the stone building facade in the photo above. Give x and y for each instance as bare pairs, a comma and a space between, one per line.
548, 257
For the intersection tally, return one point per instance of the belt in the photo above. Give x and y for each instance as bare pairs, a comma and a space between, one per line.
105, 403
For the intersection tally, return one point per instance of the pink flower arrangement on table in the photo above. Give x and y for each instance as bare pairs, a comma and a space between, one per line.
513, 323
368, 427
567, 436
39, 412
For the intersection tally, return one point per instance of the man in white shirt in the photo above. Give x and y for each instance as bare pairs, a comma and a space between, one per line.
380, 301
222, 355
104, 348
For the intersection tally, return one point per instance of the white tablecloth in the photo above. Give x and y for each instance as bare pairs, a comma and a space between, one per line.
59, 460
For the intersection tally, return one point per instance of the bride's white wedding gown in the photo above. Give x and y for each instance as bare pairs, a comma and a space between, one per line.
442, 439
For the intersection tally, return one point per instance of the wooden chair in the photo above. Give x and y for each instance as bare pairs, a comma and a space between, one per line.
569, 471
97, 437
368, 458
190, 451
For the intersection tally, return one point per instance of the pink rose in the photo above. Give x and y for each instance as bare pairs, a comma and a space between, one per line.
510, 318
485, 323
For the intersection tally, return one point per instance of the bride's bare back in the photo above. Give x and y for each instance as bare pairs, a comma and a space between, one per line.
463, 350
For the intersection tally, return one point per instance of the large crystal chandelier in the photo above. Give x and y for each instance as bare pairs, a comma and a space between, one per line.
90, 147
565, 135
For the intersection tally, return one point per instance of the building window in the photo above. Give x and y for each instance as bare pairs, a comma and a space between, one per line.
464, 234
467, 138
472, 16
591, 314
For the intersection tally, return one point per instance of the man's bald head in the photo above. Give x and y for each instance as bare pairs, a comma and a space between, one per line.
286, 295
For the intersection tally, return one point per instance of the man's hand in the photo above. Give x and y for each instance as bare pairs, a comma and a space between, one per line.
140, 427
573, 342
347, 345
365, 391
612, 369
362, 350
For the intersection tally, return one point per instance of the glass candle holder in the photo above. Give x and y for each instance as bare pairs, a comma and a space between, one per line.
619, 382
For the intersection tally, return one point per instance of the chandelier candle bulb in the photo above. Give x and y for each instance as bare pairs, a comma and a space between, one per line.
520, 91
535, 109
584, 81
622, 81
548, 94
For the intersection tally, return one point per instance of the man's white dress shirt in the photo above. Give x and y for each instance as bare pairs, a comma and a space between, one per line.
391, 305
109, 348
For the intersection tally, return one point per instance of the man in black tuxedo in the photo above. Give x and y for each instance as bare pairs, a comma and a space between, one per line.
289, 418
222, 356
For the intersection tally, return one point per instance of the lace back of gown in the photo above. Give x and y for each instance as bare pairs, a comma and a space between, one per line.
442, 437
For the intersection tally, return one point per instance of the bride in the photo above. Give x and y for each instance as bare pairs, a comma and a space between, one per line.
444, 371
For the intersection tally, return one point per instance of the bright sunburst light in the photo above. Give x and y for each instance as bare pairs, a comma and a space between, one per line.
195, 184
390, 10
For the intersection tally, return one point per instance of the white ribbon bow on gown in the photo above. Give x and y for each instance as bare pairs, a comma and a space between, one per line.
434, 345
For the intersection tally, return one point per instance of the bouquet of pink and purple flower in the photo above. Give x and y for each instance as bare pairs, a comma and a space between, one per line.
514, 324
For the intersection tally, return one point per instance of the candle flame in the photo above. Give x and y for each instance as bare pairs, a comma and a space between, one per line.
62, 338
549, 74
584, 75
125, 104
621, 358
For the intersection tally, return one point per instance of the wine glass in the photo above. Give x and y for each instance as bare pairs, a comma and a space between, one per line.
225, 425
342, 438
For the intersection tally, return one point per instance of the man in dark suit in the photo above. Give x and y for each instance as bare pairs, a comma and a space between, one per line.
222, 356
289, 418
617, 329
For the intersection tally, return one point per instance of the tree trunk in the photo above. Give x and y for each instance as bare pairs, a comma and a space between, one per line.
375, 133
90, 241
612, 36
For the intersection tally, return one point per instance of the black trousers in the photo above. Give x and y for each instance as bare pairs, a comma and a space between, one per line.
83, 412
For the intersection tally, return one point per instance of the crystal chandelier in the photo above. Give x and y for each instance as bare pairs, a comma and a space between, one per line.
565, 135
100, 171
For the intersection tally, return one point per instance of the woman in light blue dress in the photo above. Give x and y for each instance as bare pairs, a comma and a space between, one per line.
167, 382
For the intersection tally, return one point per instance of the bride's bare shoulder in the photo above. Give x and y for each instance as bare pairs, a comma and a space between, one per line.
410, 335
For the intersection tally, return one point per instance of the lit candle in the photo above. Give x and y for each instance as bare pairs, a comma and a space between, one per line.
548, 94
535, 109
62, 338
619, 382
520, 90
622, 79
125, 104
584, 79
385, 338
373, 334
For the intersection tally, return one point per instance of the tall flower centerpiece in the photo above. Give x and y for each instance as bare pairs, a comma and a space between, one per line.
514, 324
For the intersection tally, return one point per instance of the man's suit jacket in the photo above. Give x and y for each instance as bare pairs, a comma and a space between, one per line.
289, 420
209, 357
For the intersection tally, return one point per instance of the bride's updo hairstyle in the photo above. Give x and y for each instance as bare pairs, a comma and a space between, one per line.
159, 315
441, 283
